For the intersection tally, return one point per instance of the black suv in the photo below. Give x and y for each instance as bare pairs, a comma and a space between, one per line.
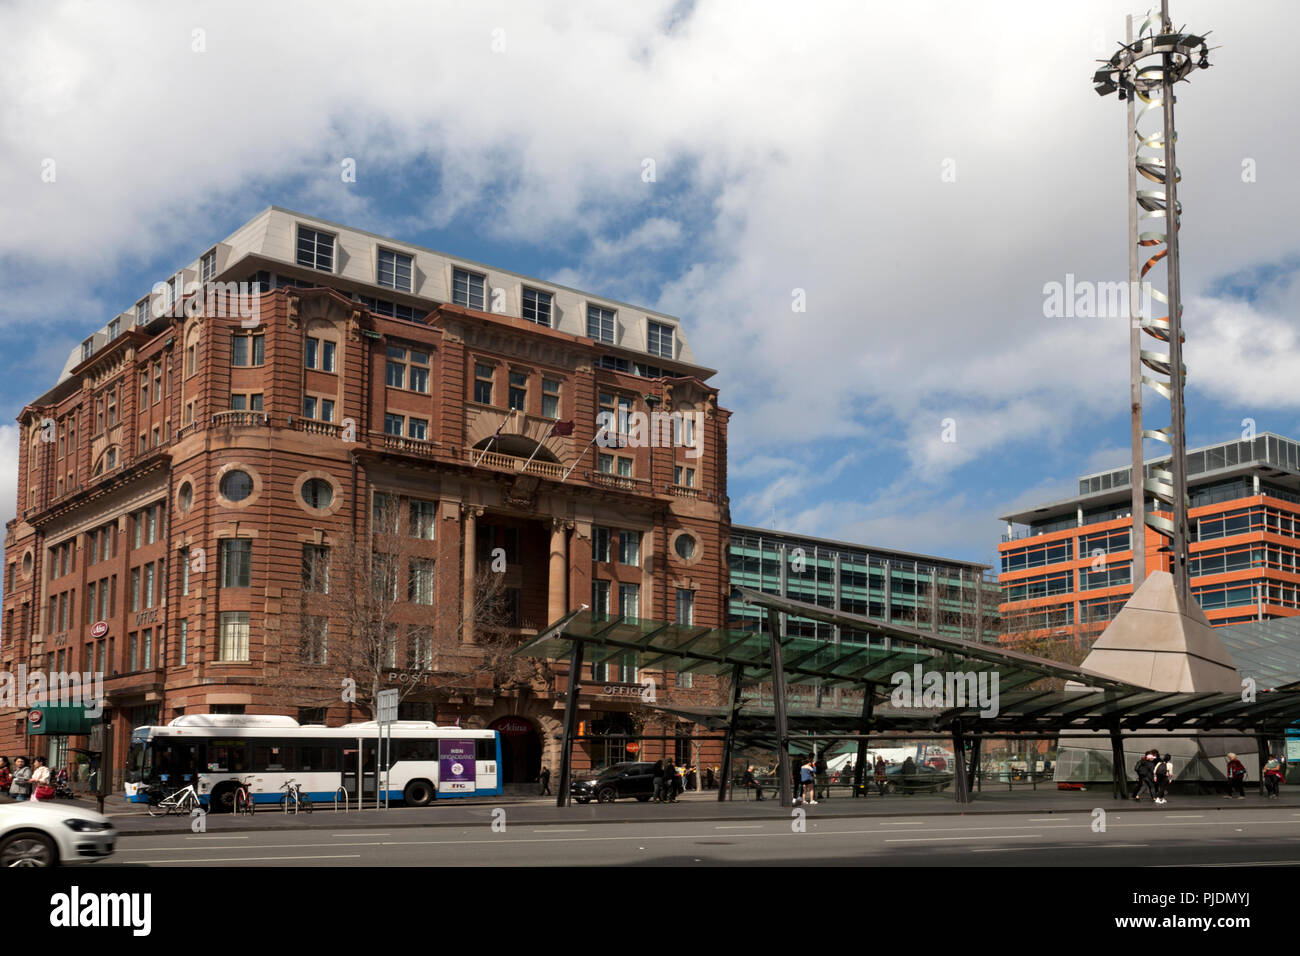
620, 780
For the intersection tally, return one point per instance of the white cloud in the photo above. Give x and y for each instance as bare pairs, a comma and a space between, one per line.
808, 158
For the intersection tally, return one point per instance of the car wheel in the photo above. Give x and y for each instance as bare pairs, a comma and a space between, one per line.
607, 795
418, 793
28, 849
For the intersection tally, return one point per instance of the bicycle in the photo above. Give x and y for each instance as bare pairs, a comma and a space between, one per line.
182, 801
244, 798
293, 794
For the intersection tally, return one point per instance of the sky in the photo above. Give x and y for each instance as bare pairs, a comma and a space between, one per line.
855, 209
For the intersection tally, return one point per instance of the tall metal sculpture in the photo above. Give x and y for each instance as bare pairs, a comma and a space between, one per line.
1145, 69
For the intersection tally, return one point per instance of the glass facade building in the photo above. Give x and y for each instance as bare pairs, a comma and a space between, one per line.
958, 598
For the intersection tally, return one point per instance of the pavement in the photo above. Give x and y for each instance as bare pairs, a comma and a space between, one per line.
132, 819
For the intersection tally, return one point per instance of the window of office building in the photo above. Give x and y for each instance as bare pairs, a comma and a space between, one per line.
315, 249
394, 270
600, 324
537, 306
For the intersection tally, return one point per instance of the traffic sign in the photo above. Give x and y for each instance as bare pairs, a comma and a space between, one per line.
633, 747
386, 706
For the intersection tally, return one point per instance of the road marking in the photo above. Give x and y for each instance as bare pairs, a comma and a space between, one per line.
559, 830
351, 833
940, 839
742, 826
902, 823
1046, 819
1185, 816
216, 836
254, 859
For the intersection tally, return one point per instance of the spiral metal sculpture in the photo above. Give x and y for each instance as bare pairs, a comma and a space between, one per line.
1145, 70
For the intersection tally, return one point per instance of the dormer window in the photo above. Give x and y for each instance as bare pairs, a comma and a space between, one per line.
114, 329
659, 339
142, 312
208, 266
315, 249
600, 324
87, 348
394, 270
467, 289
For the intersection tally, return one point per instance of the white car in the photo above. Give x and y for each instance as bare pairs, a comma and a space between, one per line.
45, 833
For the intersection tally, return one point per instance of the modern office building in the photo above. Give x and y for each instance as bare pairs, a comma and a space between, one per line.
315, 453
1066, 566
959, 598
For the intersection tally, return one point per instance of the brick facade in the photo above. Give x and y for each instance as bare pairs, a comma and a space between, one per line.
150, 429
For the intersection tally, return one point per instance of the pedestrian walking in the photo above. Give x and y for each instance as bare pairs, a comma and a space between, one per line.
21, 787
1236, 777
657, 774
42, 789
709, 777
545, 780
671, 781
881, 774
1164, 774
6, 778
823, 789
1273, 776
1146, 774
907, 773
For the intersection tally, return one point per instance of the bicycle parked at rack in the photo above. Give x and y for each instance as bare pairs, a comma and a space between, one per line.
182, 801
293, 795
244, 798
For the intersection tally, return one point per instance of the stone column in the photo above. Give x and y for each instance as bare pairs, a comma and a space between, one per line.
469, 592
557, 604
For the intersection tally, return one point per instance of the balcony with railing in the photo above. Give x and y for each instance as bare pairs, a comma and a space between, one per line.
519, 465
240, 419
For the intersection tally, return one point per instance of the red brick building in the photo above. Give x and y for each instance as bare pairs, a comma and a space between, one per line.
194, 489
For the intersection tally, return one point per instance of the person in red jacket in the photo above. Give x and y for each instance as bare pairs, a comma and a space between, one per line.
6, 776
1236, 777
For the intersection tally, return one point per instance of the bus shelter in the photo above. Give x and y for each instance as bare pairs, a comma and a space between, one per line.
1100, 705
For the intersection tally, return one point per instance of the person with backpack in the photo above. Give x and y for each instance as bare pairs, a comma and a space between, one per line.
1273, 776
1236, 777
1164, 774
1146, 774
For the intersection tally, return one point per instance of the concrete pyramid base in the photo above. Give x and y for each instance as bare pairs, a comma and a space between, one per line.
1157, 642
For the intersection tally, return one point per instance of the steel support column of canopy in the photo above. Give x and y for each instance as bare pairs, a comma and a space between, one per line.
974, 773
778, 709
1261, 745
961, 790
570, 724
733, 714
1119, 781
868, 706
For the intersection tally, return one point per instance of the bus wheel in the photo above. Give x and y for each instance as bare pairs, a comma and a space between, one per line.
222, 799
418, 793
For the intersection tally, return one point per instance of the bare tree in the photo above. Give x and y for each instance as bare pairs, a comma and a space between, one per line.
368, 620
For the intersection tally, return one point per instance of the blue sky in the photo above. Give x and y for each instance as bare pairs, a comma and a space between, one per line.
896, 165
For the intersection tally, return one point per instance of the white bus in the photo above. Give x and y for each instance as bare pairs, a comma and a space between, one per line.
217, 751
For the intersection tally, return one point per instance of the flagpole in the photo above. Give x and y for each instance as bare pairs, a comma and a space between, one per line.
539, 446
582, 454
488, 446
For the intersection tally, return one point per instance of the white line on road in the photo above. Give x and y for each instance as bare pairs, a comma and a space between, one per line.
254, 859
216, 836
742, 826
559, 830
1185, 816
902, 823
357, 833
938, 839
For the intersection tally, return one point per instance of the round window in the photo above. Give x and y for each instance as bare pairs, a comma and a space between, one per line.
685, 547
317, 493
186, 496
236, 485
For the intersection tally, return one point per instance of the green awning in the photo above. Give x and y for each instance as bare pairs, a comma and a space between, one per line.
58, 720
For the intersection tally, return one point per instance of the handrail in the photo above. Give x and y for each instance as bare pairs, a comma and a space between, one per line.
342, 790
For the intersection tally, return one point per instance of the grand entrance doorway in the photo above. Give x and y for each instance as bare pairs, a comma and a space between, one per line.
521, 749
